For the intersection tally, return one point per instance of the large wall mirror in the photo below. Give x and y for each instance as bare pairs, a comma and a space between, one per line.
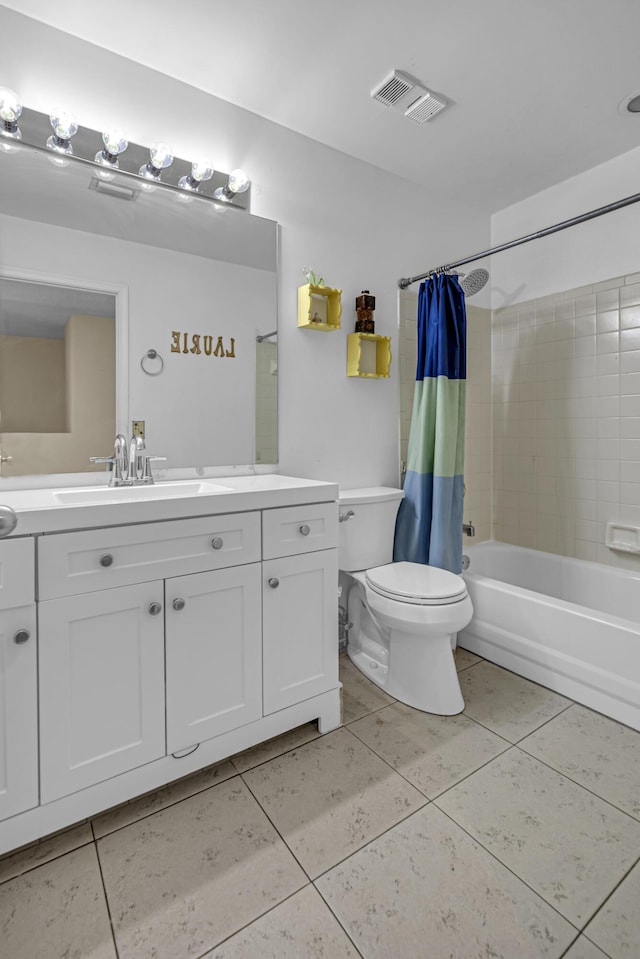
123, 301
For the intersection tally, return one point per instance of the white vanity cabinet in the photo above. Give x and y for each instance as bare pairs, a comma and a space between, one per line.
168, 640
18, 679
300, 605
101, 686
214, 654
102, 652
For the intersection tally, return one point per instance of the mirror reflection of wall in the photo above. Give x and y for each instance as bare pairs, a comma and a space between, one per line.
266, 401
57, 375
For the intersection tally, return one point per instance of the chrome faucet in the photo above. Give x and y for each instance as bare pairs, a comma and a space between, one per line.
468, 529
131, 470
136, 460
119, 477
116, 464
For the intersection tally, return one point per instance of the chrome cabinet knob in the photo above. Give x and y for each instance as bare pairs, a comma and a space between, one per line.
106, 559
154, 609
8, 521
21, 636
178, 604
305, 530
218, 542
274, 582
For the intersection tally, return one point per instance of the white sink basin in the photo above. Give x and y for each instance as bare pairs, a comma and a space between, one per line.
133, 494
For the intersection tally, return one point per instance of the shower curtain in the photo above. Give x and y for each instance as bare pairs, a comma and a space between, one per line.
429, 524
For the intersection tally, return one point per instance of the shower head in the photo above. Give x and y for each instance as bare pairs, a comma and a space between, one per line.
474, 281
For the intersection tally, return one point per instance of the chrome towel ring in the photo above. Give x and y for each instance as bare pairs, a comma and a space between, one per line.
149, 358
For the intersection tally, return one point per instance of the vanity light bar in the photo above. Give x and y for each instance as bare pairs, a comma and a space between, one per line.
185, 177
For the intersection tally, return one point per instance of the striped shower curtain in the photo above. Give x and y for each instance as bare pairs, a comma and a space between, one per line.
429, 524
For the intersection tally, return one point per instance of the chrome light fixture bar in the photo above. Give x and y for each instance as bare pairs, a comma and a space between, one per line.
110, 154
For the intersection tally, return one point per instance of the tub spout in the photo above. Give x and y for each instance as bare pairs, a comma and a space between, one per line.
468, 529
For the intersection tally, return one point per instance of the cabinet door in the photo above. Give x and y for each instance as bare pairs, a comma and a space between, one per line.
300, 628
101, 686
214, 657
18, 711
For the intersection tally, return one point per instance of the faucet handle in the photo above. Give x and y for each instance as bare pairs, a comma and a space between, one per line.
109, 460
147, 475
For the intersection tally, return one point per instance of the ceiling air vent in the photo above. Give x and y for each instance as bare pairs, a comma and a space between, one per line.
406, 95
119, 190
393, 88
424, 108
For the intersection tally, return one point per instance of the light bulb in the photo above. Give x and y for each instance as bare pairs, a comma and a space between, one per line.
160, 157
10, 110
201, 170
115, 143
238, 182
64, 126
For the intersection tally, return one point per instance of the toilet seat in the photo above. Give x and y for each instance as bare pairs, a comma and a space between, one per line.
416, 583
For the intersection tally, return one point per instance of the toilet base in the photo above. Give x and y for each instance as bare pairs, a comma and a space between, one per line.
417, 670
434, 690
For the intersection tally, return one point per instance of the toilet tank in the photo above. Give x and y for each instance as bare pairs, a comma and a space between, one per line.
366, 537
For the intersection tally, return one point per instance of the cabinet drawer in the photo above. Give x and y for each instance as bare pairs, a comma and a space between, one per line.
299, 529
72, 563
17, 573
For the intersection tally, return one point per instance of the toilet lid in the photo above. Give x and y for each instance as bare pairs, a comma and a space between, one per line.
415, 583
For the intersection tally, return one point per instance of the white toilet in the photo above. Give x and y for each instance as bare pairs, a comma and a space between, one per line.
403, 617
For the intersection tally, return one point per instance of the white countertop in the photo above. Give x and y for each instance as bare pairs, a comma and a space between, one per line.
54, 510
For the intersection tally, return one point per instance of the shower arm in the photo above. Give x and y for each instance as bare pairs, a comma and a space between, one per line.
547, 231
265, 336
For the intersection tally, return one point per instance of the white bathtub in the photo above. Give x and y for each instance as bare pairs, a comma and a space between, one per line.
570, 625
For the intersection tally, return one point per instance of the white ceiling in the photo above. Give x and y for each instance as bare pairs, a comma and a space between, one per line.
534, 85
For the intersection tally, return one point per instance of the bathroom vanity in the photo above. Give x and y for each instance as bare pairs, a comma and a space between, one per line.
149, 632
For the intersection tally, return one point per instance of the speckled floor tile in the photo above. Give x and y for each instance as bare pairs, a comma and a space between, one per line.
432, 752
57, 911
567, 844
596, 752
40, 852
359, 695
616, 928
426, 890
275, 747
464, 658
330, 797
152, 802
182, 880
303, 927
583, 949
505, 703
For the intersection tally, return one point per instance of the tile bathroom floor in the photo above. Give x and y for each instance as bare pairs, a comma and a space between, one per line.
512, 830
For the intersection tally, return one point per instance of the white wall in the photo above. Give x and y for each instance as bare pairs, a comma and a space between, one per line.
360, 227
566, 368
598, 250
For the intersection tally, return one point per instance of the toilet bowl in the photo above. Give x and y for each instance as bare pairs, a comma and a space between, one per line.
403, 618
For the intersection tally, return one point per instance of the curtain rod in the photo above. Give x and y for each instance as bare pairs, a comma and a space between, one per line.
574, 221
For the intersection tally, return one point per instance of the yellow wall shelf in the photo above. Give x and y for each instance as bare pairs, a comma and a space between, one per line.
319, 308
368, 355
